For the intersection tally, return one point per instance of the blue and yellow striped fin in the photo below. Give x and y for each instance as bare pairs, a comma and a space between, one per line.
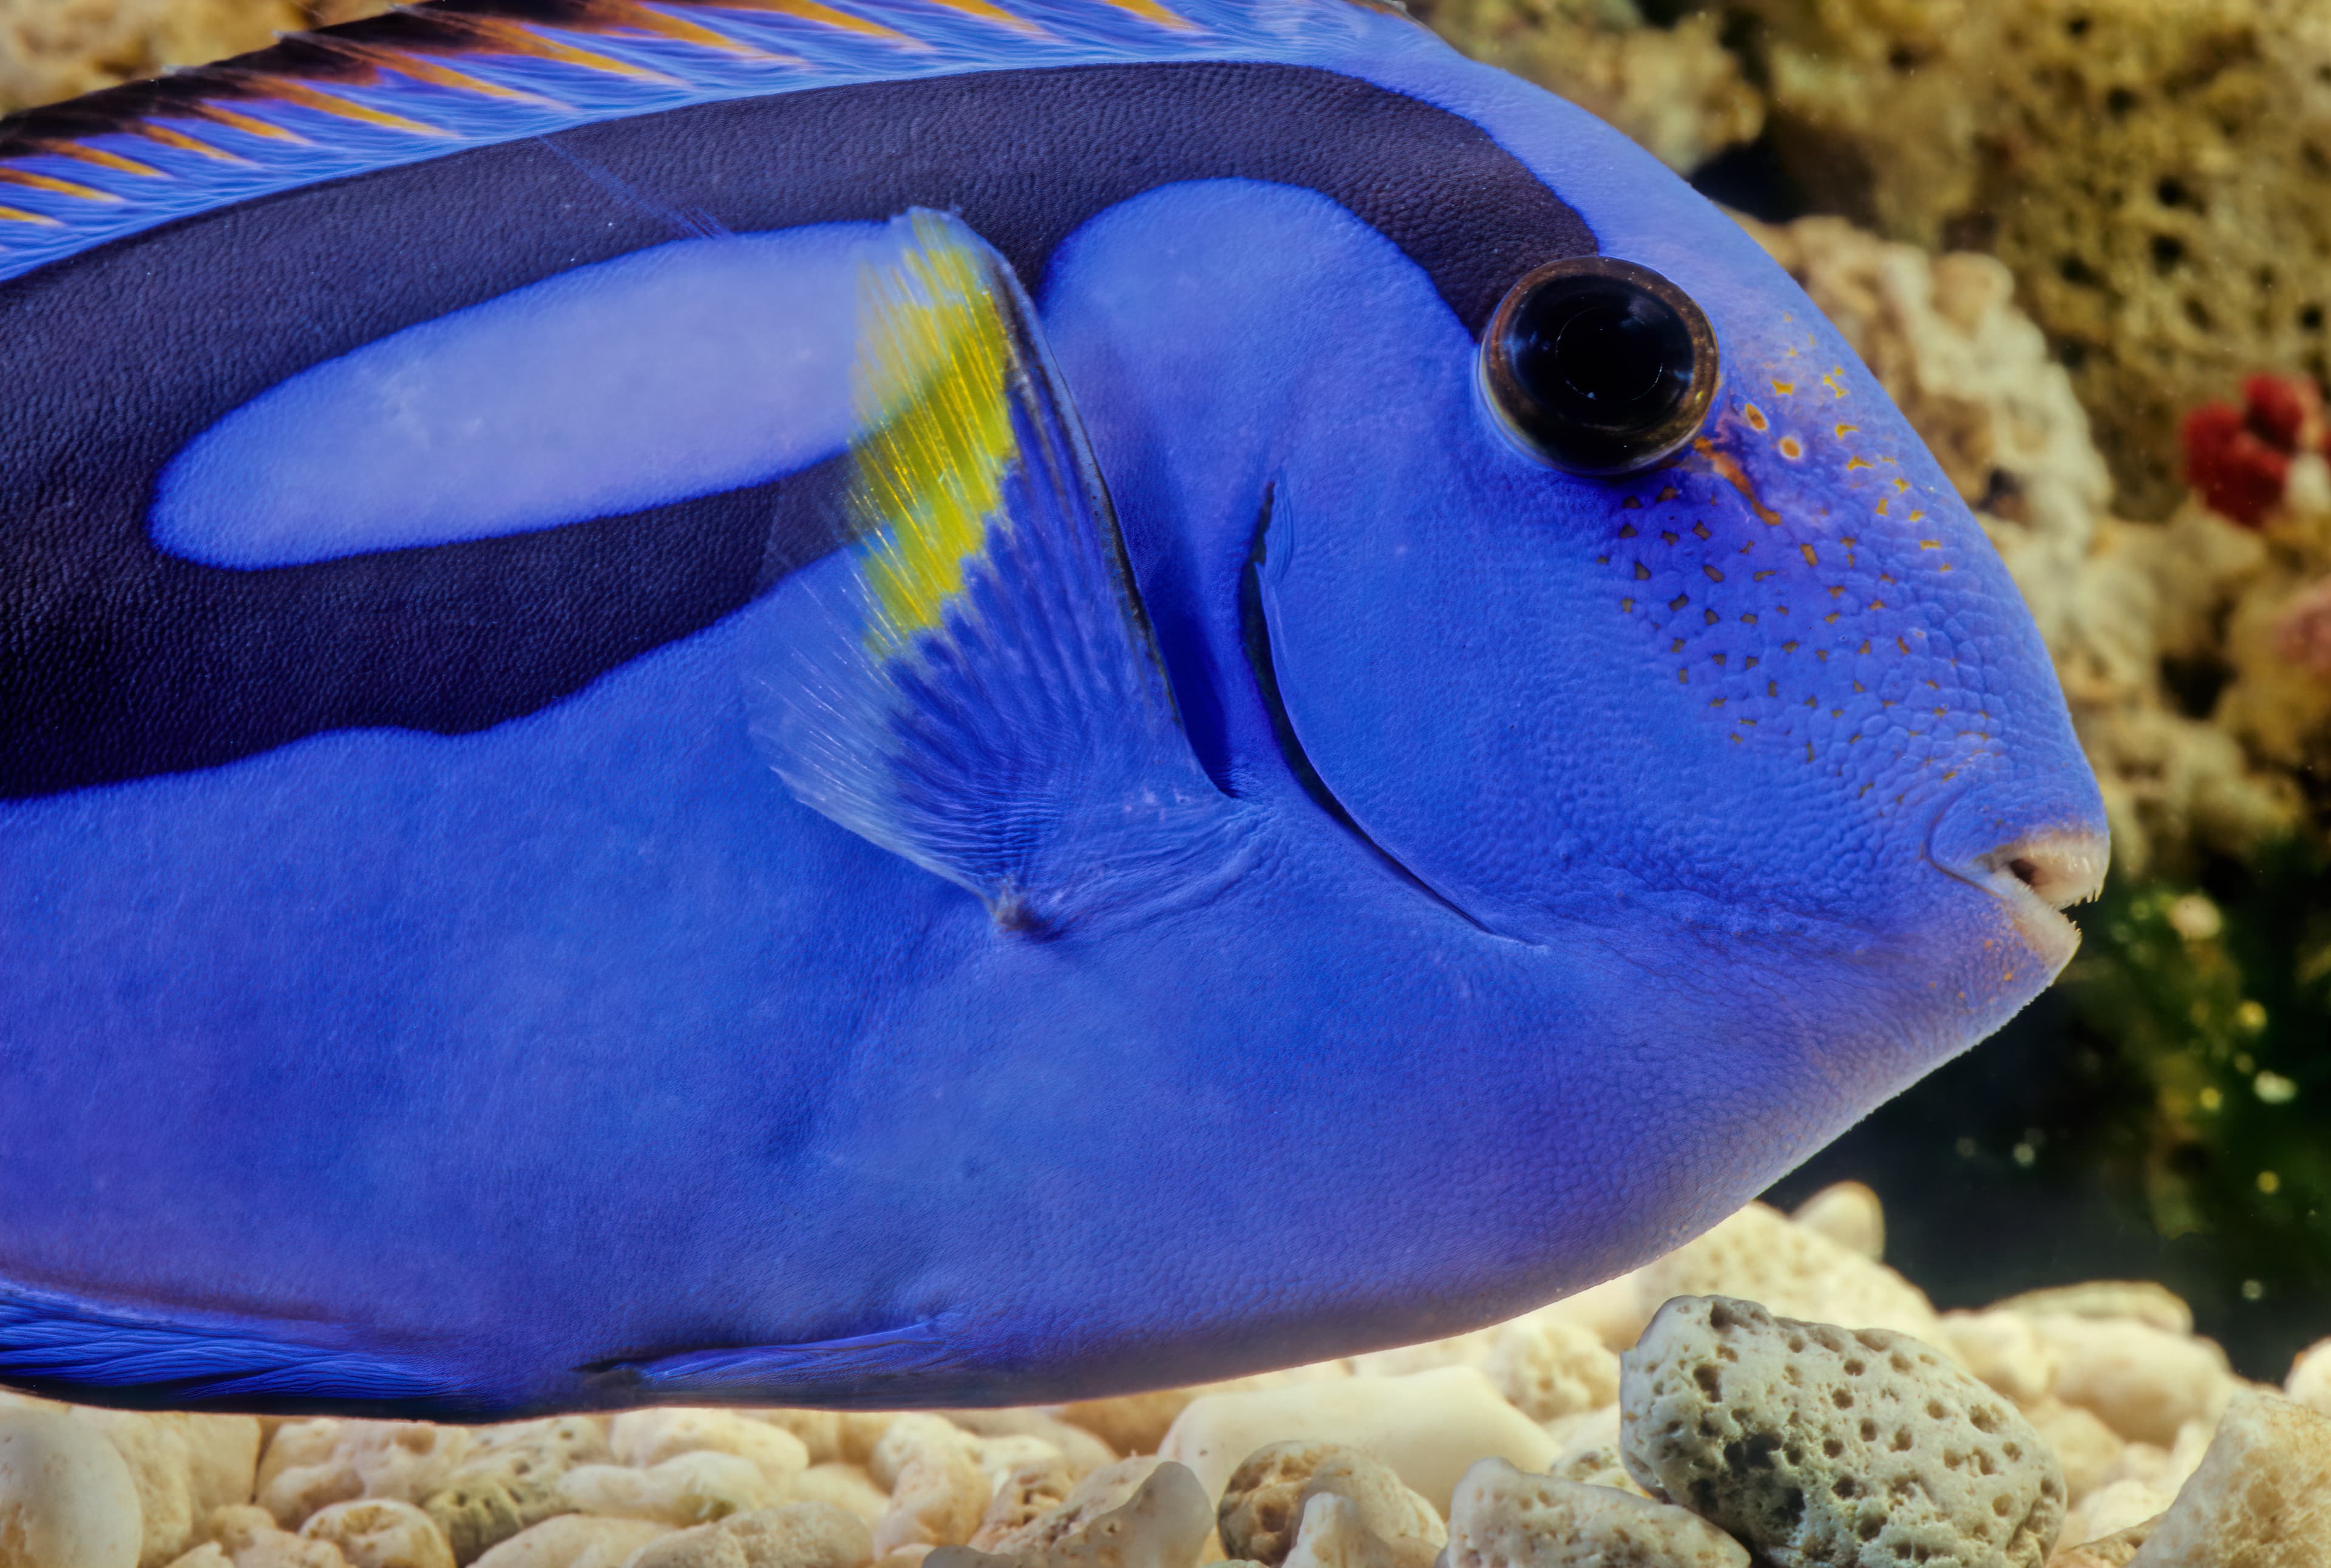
431, 78
983, 695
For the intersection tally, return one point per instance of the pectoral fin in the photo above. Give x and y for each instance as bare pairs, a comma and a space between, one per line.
988, 701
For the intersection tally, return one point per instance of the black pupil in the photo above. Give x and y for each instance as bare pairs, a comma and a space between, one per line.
1600, 352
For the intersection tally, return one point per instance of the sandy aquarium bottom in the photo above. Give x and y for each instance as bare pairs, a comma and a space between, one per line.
1770, 1393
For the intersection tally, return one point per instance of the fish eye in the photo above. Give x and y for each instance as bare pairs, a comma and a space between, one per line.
1599, 367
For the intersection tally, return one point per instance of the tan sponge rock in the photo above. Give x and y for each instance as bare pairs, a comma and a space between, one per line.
312, 1464
2261, 1497
1796, 1271
1502, 1518
379, 1533
1163, 1524
1815, 1444
573, 1541
1264, 1505
66, 1497
2144, 1381
510, 1480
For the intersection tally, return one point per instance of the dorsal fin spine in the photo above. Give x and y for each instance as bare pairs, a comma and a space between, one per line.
434, 78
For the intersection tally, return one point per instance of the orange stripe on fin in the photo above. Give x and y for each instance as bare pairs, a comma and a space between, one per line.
17, 215
1150, 11
83, 152
822, 15
169, 137
290, 91
55, 186
663, 24
988, 12
251, 124
513, 38
423, 67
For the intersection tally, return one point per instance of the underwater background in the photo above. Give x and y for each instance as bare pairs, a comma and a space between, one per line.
2087, 246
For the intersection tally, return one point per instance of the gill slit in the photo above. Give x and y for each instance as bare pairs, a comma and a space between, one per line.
1255, 634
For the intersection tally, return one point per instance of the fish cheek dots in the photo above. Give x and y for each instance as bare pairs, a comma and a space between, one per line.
1598, 366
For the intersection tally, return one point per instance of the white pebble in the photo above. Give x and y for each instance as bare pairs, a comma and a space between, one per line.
688, 1489
1428, 1427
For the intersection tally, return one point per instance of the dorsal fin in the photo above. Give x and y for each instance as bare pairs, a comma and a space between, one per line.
434, 79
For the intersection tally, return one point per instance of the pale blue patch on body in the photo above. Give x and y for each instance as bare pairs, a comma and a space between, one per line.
695, 367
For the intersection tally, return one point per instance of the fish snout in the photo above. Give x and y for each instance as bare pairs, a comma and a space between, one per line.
2037, 850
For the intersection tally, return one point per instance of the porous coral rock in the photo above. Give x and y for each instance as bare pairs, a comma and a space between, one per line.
1674, 90
2088, 1449
183, 1466
1850, 1215
1027, 1494
2113, 1507
380, 1533
2112, 1550
819, 1431
575, 1541
1501, 1518
801, 1535
937, 1490
1083, 1451
2309, 1383
1756, 1253
309, 1464
2144, 1383
250, 1538
1548, 1366
2149, 170
2004, 1349
1590, 1452
1332, 1536
846, 1487
1427, 1426
2140, 1300
2261, 1497
66, 1497
510, 1480
688, 1489
1817, 1445
649, 1437
1163, 1524
1265, 1503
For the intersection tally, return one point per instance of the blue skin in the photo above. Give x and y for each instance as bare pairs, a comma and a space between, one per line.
458, 1065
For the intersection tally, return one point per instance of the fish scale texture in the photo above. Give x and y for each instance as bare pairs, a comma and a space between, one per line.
1826, 1448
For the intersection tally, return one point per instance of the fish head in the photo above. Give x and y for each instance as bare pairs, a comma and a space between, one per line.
1642, 615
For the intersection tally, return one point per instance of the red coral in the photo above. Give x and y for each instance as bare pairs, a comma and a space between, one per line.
2239, 458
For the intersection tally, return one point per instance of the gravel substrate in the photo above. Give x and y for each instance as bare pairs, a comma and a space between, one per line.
1770, 1393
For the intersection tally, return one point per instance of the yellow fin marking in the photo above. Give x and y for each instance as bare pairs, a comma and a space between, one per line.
932, 392
1150, 11
17, 215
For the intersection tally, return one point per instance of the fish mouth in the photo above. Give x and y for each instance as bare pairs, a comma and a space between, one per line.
2035, 879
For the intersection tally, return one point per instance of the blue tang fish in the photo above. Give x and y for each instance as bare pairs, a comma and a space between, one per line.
921, 702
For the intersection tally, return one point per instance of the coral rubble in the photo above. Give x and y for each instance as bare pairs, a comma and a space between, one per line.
2084, 1426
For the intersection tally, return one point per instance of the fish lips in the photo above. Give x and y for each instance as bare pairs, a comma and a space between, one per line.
2034, 852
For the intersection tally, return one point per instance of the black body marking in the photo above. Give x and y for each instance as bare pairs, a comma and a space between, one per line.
119, 662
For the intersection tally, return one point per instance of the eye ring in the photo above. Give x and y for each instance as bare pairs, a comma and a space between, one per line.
1598, 366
